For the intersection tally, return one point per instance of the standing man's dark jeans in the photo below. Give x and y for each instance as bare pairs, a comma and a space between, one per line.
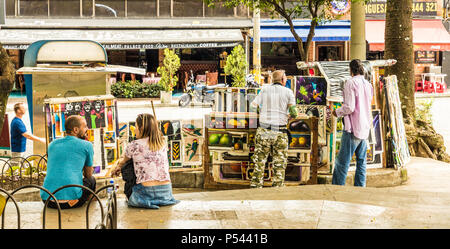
91, 183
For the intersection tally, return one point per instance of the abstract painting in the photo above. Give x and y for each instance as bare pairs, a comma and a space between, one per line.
310, 90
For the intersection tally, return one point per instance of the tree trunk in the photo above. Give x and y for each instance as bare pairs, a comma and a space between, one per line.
422, 139
399, 46
7, 74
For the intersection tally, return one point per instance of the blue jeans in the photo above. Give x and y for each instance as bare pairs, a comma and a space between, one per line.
152, 196
349, 145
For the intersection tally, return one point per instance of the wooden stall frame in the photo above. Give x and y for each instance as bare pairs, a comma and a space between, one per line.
210, 183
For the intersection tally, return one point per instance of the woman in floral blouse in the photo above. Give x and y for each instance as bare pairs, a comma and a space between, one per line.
151, 166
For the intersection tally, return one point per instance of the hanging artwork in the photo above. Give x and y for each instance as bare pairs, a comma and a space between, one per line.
319, 112
192, 150
192, 127
175, 152
171, 128
310, 90
92, 109
396, 130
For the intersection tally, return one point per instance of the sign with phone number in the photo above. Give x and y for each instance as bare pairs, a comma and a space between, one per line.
419, 9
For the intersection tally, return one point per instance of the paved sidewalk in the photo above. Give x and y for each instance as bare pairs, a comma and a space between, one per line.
420, 203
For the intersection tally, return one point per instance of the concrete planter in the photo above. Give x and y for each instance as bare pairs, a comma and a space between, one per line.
166, 97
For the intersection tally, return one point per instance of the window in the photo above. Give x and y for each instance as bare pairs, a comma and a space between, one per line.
64, 8
10, 8
187, 8
33, 8
110, 8
164, 8
140, 8
219, 11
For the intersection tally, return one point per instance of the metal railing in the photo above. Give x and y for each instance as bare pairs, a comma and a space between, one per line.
108, 218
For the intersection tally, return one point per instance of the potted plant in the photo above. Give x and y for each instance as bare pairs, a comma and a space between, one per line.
171, 63
236, 65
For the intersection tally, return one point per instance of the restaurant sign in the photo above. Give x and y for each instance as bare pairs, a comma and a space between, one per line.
420, 8
119, 46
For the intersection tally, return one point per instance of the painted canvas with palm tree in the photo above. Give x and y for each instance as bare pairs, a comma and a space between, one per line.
310, 90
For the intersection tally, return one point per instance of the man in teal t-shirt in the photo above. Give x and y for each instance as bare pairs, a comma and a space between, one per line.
69, 159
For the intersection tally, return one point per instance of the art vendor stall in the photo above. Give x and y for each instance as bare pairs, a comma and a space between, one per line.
387, 137
230, 142
100, 113
58, 68
185, 139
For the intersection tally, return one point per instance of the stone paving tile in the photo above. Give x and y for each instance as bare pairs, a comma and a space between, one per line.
225, 215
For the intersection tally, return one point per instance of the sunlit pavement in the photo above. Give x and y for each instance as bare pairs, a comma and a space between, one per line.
422, 202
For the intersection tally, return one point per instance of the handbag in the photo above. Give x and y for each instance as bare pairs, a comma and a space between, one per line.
129, 177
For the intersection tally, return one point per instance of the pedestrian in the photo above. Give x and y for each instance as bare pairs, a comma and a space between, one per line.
276, 103
153, 187
19, 134
70, 161
356, 110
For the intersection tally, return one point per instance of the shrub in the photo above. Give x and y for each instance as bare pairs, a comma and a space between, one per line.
135, 89
171, 64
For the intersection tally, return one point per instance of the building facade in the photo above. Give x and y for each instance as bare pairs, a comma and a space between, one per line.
133, 32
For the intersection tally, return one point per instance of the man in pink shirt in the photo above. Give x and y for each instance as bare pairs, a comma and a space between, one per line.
356, 110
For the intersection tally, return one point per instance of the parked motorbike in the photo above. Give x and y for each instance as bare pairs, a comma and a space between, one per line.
198, 92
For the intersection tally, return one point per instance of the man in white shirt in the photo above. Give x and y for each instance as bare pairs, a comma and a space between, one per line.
277, 104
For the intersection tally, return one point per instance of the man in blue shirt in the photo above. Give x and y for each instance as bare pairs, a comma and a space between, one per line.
19, 134
69, 159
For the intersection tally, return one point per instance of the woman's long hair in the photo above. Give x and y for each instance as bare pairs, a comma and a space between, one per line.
148, 127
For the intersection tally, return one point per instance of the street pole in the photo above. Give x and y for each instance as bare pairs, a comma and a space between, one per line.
358, 30
256, 44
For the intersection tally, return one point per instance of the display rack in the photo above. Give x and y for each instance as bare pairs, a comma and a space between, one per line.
229, 146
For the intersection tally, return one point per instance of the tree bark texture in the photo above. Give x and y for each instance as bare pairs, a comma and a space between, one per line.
7, 74
399, 46
422, 139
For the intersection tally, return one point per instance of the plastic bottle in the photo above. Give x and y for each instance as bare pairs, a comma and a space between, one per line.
110, 189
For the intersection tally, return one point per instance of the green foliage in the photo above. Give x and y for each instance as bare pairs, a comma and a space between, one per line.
135, 89
289, 10
171, 64
236, 65
423, 110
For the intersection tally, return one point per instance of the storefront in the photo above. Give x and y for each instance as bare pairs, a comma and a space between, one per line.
137, 43
431, 41
279, 48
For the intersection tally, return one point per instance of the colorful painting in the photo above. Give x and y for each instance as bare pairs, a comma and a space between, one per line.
310, 90
192, 150
94, 113
319, 112
175, 152
109, 137
171, 128
131, 131
192, 127
300, 141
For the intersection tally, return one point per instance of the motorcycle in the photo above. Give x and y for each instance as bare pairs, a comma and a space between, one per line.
197, 92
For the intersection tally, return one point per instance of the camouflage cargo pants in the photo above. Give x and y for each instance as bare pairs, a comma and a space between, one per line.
274, 142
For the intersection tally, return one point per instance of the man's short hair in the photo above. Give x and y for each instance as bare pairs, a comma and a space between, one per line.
277, 76
72, 122
17, 106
